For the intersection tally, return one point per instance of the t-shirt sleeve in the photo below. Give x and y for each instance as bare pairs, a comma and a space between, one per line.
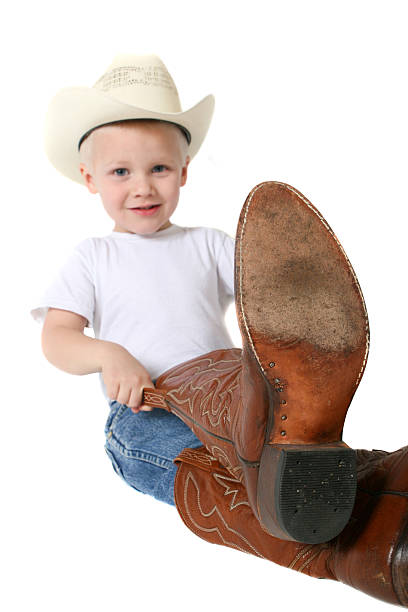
225, 262
73, 287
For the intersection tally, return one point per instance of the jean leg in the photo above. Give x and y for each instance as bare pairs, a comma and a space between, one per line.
142, 447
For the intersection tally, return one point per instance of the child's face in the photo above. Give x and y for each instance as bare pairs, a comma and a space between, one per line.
134, 166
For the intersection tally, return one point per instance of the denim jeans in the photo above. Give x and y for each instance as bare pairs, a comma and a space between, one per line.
142, 447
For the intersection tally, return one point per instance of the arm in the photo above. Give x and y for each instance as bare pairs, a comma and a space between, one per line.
65, 345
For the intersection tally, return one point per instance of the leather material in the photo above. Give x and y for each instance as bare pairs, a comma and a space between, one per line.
302, 319
305, 336
371, 553
205, 393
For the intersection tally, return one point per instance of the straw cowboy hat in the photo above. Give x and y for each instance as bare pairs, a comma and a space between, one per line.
133, 87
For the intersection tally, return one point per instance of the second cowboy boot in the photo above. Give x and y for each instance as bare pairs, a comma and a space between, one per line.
273, 414
371, 553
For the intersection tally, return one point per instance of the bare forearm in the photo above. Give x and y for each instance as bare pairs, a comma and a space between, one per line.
66, 347
70, 350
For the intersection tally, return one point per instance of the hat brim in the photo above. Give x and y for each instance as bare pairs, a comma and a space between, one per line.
77, 110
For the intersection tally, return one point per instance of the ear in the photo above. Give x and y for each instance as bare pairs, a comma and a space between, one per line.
89, 181
183, 179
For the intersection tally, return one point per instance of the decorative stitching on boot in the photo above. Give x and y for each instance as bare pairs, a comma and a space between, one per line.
304, 552
312, 557
214, 510
197, 456
224, 482
155, 399
308, 554
221, 456
203, 400
204, 397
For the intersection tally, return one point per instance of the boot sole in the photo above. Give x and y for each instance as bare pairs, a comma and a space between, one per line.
307, 477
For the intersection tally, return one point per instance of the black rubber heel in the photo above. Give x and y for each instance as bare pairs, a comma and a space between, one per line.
306, 493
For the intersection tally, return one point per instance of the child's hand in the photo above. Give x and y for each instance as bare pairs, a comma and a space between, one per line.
125, 377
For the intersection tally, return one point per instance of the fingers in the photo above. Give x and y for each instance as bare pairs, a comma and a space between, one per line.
135, 399
132, 397
142, 408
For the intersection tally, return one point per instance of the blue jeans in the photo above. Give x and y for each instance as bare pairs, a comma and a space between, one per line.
142, 447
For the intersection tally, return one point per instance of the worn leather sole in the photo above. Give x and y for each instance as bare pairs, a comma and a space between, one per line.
303, 319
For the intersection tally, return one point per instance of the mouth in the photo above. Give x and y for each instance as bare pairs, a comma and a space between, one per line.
145, 210
145, 207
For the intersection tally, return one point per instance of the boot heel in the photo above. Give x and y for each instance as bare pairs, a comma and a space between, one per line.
306, 493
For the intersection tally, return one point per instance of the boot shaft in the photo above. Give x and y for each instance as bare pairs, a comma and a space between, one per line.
221, 396
371, 554
205, 392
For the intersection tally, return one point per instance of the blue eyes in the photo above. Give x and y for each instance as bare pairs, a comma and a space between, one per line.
156, 169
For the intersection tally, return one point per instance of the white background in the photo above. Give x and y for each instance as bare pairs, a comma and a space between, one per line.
310, 93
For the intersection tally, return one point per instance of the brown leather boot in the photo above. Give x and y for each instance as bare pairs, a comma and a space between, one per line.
275, 412
371, 553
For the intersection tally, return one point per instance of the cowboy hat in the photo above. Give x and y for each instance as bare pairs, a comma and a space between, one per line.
133, 87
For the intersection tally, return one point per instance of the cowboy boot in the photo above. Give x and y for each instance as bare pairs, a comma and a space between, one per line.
274, 413
371, 553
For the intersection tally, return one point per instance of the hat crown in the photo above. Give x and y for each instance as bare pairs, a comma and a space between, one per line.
140, 80
132, 87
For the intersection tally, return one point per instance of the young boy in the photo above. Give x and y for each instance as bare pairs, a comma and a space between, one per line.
275, 478
155, 293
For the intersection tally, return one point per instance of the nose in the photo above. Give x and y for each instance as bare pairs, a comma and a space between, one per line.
141, 187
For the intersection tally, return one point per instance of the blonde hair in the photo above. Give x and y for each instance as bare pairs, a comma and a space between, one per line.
86, 142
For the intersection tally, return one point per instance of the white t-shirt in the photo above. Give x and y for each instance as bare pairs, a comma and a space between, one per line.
162, 296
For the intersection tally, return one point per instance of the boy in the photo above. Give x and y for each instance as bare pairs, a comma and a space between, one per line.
271, 415
155, 293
